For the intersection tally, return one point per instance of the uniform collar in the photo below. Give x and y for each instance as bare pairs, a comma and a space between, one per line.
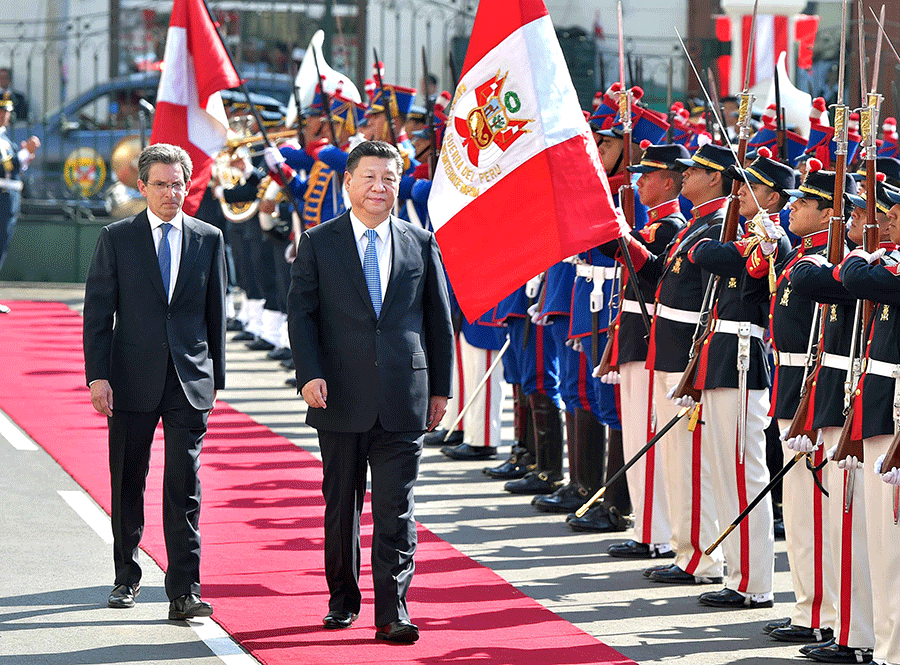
663, 210
814, 241
709, 207
887, 246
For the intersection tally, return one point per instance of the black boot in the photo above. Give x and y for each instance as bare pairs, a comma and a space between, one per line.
521, 461
547, 477
617, 494
570, 496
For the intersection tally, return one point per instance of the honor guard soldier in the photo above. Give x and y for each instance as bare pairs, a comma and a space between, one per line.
813, 277
790, 327
659, 186
13, 161
733, 375
679, 298
889, 146
878, 397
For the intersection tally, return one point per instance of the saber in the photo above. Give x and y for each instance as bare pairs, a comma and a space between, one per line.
478, 388
883, 33
634, 460
876, 69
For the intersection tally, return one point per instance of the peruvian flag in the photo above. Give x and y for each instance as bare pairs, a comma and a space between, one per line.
519, 184
189, 110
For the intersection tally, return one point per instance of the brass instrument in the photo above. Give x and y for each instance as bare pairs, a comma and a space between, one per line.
246, 141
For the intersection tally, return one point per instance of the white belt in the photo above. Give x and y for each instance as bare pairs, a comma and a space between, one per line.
791, 359
678, 315
881, 368
595, 272
731, 328
835, 361
9, 183
634, 307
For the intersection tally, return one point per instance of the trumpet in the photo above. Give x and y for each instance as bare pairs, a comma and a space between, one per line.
236, 142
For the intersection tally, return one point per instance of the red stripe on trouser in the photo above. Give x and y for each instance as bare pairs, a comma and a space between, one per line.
650, 461
461, 400
741, 477
487, 400
539, 357
583, 398
695, 497
846, 567
818, 548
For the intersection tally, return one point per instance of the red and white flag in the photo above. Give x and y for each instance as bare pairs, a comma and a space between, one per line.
519, 184
189, 110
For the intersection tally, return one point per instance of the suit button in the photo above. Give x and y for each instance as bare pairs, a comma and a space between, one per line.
168, 316
378, 331
376, 363
165, 345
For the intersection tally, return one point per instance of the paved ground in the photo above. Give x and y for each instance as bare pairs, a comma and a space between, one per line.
55, 613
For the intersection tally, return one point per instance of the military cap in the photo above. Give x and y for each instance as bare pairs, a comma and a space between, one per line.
819, 184
660, 157
711, 157
889, 166
885, 196
765, 171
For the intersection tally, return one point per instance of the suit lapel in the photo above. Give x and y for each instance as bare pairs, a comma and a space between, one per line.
190, 246
350, 254
148, 253
402, 244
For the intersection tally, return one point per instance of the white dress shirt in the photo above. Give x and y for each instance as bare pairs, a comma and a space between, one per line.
174, 238
383, 247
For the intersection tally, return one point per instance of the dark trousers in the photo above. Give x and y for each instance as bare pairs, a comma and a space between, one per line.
394, 460
130, 438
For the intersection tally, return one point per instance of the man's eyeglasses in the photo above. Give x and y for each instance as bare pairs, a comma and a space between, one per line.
177, 187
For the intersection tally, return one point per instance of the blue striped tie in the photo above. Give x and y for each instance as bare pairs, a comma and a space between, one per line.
370, 268
165, 258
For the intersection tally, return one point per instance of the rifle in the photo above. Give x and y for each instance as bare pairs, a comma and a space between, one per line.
779, 120
388, 110
326, 102
429, 114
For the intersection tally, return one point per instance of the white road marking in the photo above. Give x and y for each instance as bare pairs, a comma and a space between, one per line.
16, 437
213, 636
89, 512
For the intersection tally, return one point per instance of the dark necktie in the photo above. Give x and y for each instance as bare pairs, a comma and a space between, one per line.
165, 258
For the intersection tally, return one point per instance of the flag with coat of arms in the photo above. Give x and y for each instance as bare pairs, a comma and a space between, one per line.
189, 110
519, 184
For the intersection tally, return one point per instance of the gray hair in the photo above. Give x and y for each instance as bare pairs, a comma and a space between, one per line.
163, 153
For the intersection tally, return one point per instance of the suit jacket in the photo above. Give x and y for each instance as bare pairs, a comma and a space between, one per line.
129, 327
385, 367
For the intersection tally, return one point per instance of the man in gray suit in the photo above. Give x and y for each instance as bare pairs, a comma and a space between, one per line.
370, 332
154, 338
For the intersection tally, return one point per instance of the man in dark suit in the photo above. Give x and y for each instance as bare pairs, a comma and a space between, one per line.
370, 331
154, 337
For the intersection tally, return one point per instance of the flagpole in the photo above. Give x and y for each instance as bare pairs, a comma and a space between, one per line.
254, 110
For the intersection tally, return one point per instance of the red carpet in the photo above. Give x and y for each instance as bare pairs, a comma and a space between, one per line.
262, 530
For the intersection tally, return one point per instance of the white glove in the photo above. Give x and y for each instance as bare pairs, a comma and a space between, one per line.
877, 254
865, 256
535, 313
219, 193
850, 463
831, 452
610, 378
533, 286
891, 477
801, 444
575, 344
685, 401
768, 248
878, 463
274, 158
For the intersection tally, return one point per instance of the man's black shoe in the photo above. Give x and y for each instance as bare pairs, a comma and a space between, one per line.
233, 325
464, 451
568, 498
534, 482
515, 467
802, 635
652, 569
292, 382
805, 649
398, 631
189, 606
436, 438
282, 353
339, 619
599, 519
123, 595
675, 575
259, 344
631, 549
288, 364
837, 653
731, 599
243, 336
778, 623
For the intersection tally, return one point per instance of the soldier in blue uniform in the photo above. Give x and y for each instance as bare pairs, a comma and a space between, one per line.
13, 160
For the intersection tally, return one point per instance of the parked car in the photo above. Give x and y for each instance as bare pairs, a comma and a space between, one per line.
74, 166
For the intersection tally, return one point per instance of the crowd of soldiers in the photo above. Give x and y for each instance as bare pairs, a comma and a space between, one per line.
769, 323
